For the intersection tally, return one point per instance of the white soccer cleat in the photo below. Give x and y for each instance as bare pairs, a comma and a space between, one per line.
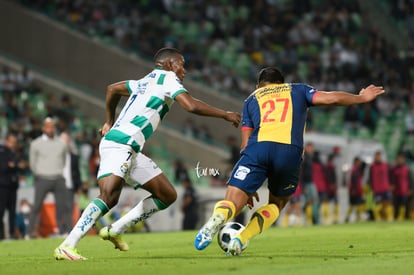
68, 253
207, 232
235, 247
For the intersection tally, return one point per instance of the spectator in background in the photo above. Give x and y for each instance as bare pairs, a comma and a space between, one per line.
351, 118
319, 178
309, 190
379, 178
355, 190
83, 196
293, 214
36, 129
71, 173
94, 161
204, 134
401, 182
7, 80
190, 129
368, 116
180, 172
47, 157
22, 218
234, 150
409, 122
9, 182
25, 80
189, 206
332, 188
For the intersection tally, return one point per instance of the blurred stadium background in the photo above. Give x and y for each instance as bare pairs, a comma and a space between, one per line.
73, 49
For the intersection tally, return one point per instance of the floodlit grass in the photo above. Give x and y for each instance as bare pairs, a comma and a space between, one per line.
367, 248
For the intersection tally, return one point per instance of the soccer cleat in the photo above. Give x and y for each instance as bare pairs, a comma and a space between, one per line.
207, 232
235, 247
116, 239
68, 253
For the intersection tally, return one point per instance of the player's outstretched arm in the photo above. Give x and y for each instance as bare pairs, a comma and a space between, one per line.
114, 92
343, 98
196, 106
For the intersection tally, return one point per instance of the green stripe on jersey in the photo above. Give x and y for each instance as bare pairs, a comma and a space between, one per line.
119, 137
161, 79
147, 131
154, 102
128, 87
139, 121
165, 109
179, 92
135, 147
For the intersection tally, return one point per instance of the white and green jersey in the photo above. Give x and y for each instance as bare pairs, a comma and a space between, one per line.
150, 99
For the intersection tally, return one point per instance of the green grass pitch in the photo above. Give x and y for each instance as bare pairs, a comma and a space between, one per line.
366, 248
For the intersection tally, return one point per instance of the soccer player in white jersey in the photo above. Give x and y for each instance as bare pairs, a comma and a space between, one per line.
150, 98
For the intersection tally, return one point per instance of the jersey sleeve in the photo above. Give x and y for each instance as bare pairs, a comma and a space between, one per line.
310, 92
247, 122
173, 85
132, 85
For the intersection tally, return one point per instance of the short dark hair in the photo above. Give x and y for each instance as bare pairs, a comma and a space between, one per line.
270, 75
165, 53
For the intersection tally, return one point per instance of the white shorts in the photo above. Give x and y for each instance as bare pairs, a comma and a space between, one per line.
119, 159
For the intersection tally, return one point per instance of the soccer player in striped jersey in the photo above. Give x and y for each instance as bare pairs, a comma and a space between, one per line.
273, 124
149, 99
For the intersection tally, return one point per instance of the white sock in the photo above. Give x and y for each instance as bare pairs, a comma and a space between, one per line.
142, 211
90, 215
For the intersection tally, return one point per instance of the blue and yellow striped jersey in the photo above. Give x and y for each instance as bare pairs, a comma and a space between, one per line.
277, 113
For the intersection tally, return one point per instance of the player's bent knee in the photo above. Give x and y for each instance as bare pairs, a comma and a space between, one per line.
110, 189
168, 197
110, 201
110, 197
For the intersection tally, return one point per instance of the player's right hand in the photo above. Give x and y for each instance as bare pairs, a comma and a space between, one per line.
105, 129
233, 117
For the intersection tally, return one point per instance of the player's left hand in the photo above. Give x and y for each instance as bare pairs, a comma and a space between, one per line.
371, 92
233, 117
105, 129
250, 202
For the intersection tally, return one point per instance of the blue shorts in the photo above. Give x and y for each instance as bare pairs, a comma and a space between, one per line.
356, 200
295, 199
382, 196
400, 200
279, 163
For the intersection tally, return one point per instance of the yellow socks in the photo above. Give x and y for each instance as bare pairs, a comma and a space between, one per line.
336, 213
349, 212
377, 212
360, 210
261, 220
401, 213
226, 208
389, 212
285, 220
308, 213
325, 212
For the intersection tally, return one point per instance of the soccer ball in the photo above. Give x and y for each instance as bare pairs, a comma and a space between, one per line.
228, 231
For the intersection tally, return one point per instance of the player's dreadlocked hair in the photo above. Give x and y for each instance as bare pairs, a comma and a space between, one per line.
270, 75
165, 53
